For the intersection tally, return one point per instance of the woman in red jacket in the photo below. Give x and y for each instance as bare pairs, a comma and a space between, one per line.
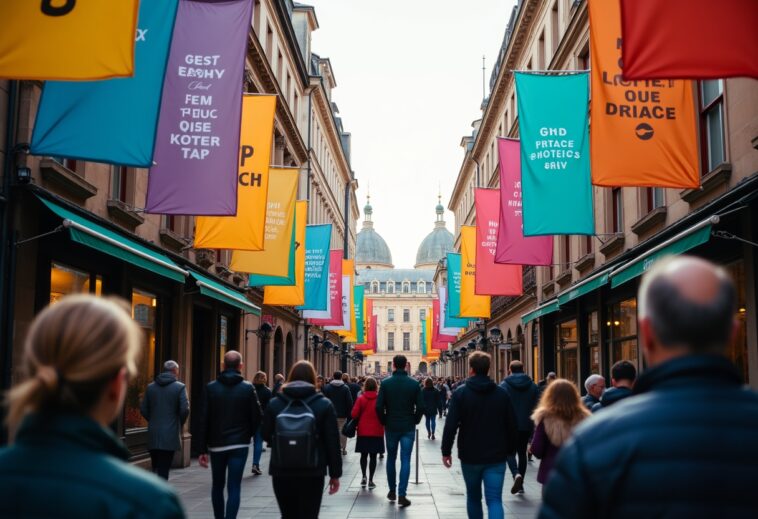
370, 440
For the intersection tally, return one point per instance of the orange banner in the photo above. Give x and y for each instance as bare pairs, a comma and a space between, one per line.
643, 133
293, 295
472, 304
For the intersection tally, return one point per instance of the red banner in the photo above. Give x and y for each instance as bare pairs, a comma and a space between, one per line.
689, 39
492, 278
335, 292
439, 342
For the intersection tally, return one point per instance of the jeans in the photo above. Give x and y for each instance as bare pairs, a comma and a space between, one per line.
492, 475
257, 448
521, 445
233, 461
431, 423
343, 438
405, 439
299, 498
161, 462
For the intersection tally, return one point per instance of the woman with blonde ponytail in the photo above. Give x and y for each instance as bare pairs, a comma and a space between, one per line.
66, 461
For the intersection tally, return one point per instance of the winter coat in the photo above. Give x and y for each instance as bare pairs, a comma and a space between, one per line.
264, 395
166, 408
328, 435
68, 466
551, 432
431, 400
364, 411
277, 387
231, 412
339, 394
589, 401
482, 413
611, 396
355, 390
524, 397
400, 405
682, 446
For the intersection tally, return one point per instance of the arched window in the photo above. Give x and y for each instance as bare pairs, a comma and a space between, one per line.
390, 287
375, 287
421, 287
406, 287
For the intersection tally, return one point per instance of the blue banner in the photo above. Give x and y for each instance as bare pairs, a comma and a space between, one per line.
317, 240
115, 120
555, 160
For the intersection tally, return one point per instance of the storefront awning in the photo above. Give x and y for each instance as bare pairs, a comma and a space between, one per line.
87, 232
688, 239
584, 287
545, 309
216, 290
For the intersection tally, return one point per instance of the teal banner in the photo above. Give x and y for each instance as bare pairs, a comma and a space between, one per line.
453, 308
317, 239
555, 160
360, 332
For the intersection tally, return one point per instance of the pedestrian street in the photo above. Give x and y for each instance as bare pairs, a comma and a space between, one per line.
439, 494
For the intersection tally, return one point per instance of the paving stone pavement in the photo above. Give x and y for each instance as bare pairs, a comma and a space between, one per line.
440, 493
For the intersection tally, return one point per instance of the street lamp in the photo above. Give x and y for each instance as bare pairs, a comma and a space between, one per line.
496, 336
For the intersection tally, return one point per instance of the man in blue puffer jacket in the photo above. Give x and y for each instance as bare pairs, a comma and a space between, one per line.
524, 396
684, 445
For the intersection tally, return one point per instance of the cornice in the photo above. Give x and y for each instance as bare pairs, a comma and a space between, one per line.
325, 110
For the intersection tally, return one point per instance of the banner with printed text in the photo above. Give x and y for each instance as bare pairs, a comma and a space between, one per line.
450, 325
68, 39
317, 239
644, 133
359, 308
492, 278
348, 330
513, 248
471, 304
197, 144
439, 340
332, 316
245, 230
294, 294
555, 166
73, 116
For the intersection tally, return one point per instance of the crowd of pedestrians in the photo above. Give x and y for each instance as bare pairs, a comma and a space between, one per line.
675, 441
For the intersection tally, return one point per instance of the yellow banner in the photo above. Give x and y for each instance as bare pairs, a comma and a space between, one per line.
68, 39
428, 332
472, 305
245, 230
348, 269
280, 214
293, 295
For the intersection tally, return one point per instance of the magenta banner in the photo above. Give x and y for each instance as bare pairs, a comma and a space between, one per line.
513, 248
197, 145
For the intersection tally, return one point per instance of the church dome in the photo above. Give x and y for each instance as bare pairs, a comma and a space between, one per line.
370, 248
436, 244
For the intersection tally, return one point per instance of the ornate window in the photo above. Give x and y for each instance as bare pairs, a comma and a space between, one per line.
374, 287
406, 287
421, 287
390, 287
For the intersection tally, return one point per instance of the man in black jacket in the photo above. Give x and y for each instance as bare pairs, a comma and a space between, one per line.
232, 414
483, 414
339, 394
524, 395
623, 374
684, 444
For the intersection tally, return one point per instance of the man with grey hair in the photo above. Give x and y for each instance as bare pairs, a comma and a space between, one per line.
166, 408
595, 385
683, 445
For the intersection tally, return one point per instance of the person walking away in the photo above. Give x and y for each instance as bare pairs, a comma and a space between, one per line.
352, 385
166, 408
300, 424
524, 395
623, 374
400, 407
264, 397
684, 444
542, 384
339, 394
559, 411
278, 381
66, 462
482, 414
370, 434
595, 385
231, 415
431, 403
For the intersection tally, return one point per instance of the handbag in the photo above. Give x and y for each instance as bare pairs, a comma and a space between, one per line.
350, 428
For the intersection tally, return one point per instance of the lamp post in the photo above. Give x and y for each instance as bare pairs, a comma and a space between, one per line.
326, 349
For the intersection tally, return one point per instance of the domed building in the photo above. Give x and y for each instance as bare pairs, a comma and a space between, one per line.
401, 297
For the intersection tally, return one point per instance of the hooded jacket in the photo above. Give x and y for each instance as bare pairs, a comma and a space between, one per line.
364, 411
231, 412
328, 436
483, 415
166, 408
611, 396
524, 396
339, 394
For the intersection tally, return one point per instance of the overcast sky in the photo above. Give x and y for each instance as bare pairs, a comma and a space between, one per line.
409, 85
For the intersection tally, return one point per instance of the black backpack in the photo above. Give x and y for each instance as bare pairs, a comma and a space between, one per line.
296, 435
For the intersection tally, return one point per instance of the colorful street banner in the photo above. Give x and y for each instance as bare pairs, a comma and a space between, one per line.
317, 239
68, 40
280, 222
471, 304
655, 48
513, 248
454, 290
358, 306
439, 341
260, 280
644, 133
424, 347
197, 145
492, 278
73, 116
292, 295
368, 343
450, 325
245, 230
333, 315
555, 167
348, 330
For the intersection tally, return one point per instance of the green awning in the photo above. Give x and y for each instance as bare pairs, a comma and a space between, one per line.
545, 309
584, 287
682, 242
87, 232
216, 290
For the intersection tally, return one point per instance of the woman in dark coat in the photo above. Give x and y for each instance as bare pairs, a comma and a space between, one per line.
370, 441
264, 396
431, 401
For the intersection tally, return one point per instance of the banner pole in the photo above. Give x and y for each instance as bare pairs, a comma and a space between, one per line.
417, 482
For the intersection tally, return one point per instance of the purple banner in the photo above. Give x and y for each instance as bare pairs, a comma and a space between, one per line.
197, 147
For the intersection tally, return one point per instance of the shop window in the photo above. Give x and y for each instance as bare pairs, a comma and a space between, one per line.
622, 332
593, 341
406, 341
406, 315
712, 124
144, 307
390, 341
567, 350
65, 280
737, 349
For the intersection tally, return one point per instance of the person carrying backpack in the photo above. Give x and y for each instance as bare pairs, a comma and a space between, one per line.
300, 424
